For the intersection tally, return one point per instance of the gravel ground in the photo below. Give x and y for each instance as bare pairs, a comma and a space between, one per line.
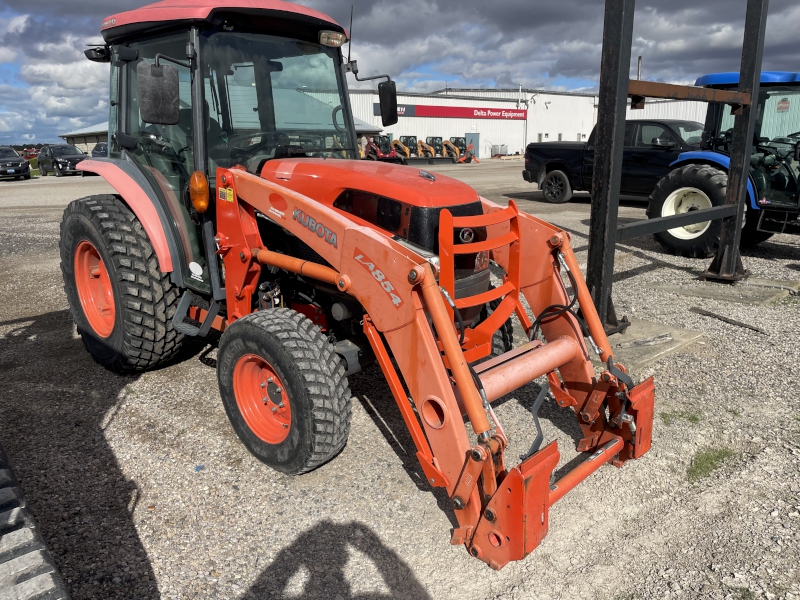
142, 490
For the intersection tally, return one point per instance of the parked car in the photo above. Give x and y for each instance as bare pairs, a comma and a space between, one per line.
60, 159
29, 153
13, 165
100, 150
650, 147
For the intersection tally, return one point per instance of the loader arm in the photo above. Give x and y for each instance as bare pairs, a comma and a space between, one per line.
502, 512
448, 145
400, 147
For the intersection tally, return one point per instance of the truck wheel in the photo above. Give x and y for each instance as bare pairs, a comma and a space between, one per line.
284, 390
686, 189
556, 188
120, 301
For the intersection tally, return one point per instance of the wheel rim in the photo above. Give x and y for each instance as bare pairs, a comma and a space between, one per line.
682, 201
554, 187
94, 289
259, 395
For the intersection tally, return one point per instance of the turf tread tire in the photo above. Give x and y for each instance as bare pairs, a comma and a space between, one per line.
145, 297
319, 371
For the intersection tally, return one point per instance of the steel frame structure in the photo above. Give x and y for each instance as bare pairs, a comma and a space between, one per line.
615, 88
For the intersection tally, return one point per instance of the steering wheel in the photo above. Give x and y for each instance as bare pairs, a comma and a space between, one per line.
337, 109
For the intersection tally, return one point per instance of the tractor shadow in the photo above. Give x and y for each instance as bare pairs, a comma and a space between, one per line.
56, 405
314, 567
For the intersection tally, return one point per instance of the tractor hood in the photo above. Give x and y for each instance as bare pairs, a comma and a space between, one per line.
325, 180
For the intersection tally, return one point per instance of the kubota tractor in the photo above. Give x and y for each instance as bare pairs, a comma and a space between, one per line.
235, 210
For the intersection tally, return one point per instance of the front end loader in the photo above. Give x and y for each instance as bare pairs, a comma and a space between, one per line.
233, 214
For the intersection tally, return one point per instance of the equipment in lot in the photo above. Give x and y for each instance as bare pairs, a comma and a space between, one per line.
60, 159
436, 144
13, 165
379, 147
699, 178
401, 149
469, 155
410, 143
229, 215
450, 149
425, 149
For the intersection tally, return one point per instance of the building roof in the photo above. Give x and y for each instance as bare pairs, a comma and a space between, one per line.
100, 128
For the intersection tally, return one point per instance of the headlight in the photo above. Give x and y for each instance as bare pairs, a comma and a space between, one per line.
333, 39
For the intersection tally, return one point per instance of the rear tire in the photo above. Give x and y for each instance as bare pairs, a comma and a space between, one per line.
556, 188
751, 236
313, 424
121, 302
689, 188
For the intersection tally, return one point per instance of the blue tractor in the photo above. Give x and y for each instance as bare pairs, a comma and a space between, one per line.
699, 178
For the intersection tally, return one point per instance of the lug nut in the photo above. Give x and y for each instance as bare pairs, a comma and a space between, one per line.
263, 385
274, 408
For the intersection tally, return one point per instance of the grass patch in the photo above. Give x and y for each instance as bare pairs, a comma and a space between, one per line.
706, 461
670, 418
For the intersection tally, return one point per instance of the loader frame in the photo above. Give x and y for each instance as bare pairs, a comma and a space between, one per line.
502, 512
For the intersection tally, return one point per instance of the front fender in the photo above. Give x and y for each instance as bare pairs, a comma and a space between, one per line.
720, 159
138, 194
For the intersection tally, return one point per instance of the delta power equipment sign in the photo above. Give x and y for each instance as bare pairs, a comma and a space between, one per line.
456, 112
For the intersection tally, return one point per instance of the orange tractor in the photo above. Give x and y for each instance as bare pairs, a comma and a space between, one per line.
235, 211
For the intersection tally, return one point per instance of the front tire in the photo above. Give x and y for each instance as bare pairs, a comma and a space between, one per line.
58, 171
556, 188
121, 302
284, 390
687, 189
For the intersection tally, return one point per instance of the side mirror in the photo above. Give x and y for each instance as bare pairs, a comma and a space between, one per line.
159, 96
387, 96
662, 143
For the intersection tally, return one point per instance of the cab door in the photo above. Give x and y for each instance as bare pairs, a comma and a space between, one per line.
650, 163
626, 186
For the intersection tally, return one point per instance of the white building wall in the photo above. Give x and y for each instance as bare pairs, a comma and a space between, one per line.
670, 109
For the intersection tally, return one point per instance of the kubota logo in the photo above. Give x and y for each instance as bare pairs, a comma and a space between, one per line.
307, 221
109, 23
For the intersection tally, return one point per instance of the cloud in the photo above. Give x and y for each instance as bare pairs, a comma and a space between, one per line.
47, 86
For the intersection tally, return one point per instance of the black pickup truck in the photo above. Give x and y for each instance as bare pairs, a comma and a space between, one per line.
650, 147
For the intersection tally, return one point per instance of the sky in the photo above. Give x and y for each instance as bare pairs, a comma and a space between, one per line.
47, 87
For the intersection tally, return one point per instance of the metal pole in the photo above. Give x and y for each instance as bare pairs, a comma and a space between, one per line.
727, 264
639, 70
609, 138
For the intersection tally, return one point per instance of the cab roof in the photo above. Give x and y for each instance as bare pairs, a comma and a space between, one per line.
732, 78
173, 12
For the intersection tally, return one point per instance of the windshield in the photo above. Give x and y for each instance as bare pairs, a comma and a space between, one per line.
778, 117
65, 151
270, 97
8, 153
690, 131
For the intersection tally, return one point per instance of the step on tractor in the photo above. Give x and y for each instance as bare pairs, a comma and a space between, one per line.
236, 211
699, 178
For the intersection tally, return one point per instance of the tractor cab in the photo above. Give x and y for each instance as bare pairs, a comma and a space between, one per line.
222, 85
383, 143
460, 143
775, 159
436, 144
410, 142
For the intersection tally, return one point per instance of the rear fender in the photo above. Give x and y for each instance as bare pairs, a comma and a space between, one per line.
142, 199
720, 159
